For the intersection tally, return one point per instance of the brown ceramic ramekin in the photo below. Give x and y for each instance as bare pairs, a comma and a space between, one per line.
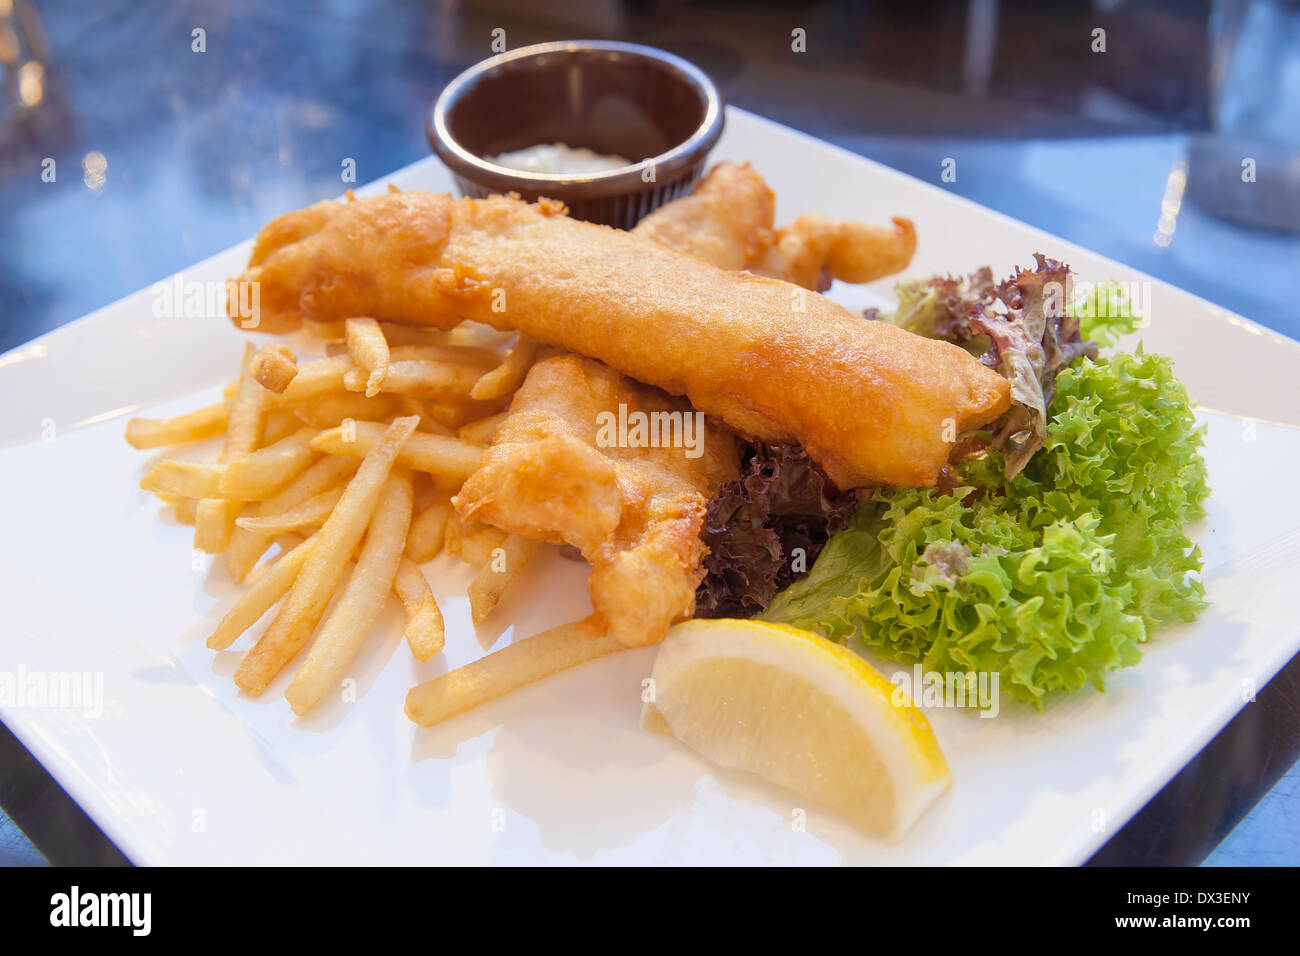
649, 106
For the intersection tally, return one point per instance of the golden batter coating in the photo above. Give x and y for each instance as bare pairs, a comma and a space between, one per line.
727, 220
587, 457
813, 250
871, 403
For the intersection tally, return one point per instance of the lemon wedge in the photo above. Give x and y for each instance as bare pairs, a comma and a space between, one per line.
801, 712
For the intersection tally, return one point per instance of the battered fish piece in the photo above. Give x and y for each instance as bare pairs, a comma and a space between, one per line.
727, 220
871, 403
635, 513
813, 251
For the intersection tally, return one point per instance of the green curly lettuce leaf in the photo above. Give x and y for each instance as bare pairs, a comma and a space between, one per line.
1053, 578
1105, 314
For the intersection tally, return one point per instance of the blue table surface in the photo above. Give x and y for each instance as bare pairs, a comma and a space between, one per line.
203, 148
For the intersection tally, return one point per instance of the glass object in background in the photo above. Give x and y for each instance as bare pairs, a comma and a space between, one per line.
1248, 169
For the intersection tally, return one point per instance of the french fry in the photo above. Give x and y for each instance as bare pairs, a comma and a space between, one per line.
420, 407
310, 514
424, 539
279, 424
270, 586
507, 670
306, 600
264, 472
369, 349
470, 332
185, 509
274, 367
436, 454
480, 358
481, 431
421, 378
254, 477
206, 422
443, 483
214, 518
509, 375
395, 333
314, 379
247, 547
362, 599
424, 627
184, 479
501, 568
466, 333
452, 534
330, 410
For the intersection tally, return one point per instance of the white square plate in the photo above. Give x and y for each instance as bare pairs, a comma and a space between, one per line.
177, 767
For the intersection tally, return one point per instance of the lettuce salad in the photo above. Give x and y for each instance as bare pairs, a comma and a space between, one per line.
1053, 567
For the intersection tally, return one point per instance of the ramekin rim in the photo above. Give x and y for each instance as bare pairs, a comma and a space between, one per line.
669, 160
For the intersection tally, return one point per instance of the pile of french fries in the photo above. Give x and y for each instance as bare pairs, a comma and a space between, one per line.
348, 464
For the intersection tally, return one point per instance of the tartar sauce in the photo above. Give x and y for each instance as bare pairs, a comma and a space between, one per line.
558, 158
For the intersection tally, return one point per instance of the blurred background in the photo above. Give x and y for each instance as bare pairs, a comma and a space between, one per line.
138, 136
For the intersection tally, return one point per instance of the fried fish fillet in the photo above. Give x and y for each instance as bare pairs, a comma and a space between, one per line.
813, 250
871, 403
562, 468
727, 220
